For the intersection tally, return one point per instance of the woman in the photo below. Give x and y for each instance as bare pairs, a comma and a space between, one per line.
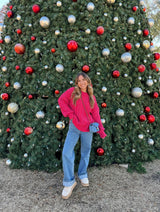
79, 104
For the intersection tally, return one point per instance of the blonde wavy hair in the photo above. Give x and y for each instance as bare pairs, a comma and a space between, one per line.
77, 91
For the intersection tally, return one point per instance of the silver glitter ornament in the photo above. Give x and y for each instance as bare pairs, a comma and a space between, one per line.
150, 141
59, 68
120, 112
105, 52
139, 31
60, 125
12, 107
90, 6
133, 104
71, 19
44, 42
4, 68
126, 57
137, 92
18, 17
115, 19
57, 32
137, 45
104, 89
12, 139
149, 82
37, 51
25, 155
133, 150
17, 85
146, 44
140, 136
44, 22
59, 3
40, 114
7, 39
44, 83
131, 20
152, 48
87, 31
103, 121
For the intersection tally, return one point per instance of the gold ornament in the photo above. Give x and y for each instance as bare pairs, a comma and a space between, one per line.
60, 125
111, 1
146, 44
44, 22
12, 107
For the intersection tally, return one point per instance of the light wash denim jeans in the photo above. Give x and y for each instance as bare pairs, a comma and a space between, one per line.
68, 154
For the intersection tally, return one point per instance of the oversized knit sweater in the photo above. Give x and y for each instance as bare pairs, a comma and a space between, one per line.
77, 113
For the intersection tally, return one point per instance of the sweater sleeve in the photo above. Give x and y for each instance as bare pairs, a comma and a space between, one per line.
64, 101
96, 118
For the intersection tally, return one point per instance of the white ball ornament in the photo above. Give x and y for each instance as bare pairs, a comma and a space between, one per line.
120, 112
133, 150
71, 19
126, 57
105, 14
131, 20
140, 136
12, 107
25, 155
44, 83
125, 75
37, 51
125, 38
44, 42
152, 48
133, 104
111, 1
17, 85
115, 19
137, 92
45, 67
6, 113
137, 45
59, 3
40, 114
104, 89
8, 162
139, 31
4, 68
113, 39
60, 125
149, 82
18, 17
103, 121
59, 68
146, 44
44, 22
90, 6
57, 32
106, 52
7, 39
120, 4
30, 25
12, 139
150, 141
142, 2
87, 31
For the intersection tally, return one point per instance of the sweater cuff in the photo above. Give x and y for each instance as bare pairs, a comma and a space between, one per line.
102, 134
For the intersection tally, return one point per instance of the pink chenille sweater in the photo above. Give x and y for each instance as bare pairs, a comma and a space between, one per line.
77, 113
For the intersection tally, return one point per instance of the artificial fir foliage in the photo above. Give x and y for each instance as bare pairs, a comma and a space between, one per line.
44, 45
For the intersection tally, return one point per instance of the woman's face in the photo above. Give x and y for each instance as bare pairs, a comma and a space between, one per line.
82, 83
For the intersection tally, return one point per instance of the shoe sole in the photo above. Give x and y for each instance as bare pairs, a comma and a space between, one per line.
66, 197
85, 184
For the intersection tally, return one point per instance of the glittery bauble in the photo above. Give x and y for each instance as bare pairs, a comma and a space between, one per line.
115, 19
37, 51
131, 20
111, 1
150, 22
7, 39
40, 114
149, 82
152, 48
150, 141
57, 32
18, 17
120, 112
146, 44
105, 52
44, 83
12, 107
1, 27
59, 3
87, 31
72, 45
8, 162
25, 155
100, 151
28, 130
60, 125
71, 19
59, 68
44, 22
17, 85
137, 92
4, 68
103, 121
139, 31
5, 96
104, 89
90, 6
126, 57
140, 136
19, 48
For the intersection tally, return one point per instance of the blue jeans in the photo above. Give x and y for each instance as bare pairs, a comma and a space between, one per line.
68, 154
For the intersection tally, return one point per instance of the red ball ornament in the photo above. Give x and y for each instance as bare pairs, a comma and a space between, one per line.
100, 151
142, 118
156, 56
36, 8
4, 58
116, 74
11, 7
29, 70
134, 8
144, 9
1, 41
53, 50
19, 48
141, 68
147, 109
151, 44
30, 96
104, 105
100, 30
28, 130
155, 95
157, 69
5, 96
72, 46
74, 0
56, 92
8, 130
17, 67
153, 66
9, 13
19, 31
33, 38
145, 32
85, 68
7, 84
151, 118
128, 46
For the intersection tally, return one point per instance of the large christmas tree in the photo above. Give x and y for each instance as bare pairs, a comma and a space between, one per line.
44, 45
